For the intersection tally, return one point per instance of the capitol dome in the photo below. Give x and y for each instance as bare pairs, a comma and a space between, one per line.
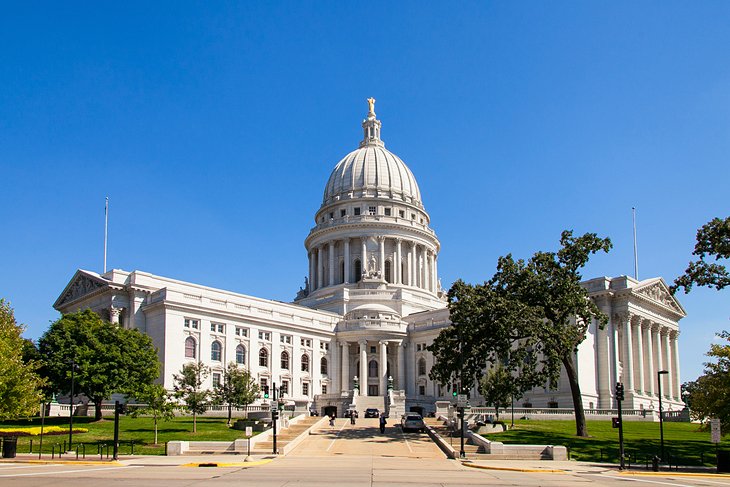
372, 171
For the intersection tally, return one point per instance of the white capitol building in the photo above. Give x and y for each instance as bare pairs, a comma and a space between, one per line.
371, 305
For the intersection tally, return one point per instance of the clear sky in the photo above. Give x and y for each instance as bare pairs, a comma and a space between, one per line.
213, 126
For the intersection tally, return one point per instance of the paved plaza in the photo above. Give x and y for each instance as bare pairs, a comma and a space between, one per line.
345, 455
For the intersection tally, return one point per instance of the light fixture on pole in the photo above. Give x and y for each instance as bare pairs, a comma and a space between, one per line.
661, 413
71, 406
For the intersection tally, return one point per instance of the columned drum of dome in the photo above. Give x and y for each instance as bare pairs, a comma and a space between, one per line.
372, 241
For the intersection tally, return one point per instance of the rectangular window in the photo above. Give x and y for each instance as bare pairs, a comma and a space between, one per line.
241, 331
324, 346
284, 389
324, 389
413, 216
357, 211
387, 211
421, 390
371, 210
263, 383
216, 380
421, 221
332, 215
285, 339
343, 213
217, 328
305, 388
306, 342
401, 213
264, 335
192, 323
372, 349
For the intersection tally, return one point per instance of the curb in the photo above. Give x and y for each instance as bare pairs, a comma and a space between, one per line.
67, 462
677, 474
514, 469
231, 464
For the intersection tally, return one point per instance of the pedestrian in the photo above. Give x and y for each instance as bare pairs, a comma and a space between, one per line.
332, 420
353, 415
382, 422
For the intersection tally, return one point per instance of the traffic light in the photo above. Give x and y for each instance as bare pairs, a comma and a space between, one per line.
619, 391
121, 408
274, 414
266, 392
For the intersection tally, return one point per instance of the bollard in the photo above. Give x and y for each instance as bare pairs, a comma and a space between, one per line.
655, 463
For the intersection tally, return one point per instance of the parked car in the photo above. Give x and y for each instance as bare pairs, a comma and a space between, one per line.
412, 422
372, 412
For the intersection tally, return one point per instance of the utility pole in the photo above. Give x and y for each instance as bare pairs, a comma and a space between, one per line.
115, 456
619, 398
274, 416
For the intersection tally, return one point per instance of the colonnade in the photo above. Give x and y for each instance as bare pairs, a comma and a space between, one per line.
342, 357
411, 263
639, 349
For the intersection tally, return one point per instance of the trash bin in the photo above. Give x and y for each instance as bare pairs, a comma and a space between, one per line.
10, 446
723, 461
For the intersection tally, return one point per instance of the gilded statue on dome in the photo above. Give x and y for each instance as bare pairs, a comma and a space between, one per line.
371, 106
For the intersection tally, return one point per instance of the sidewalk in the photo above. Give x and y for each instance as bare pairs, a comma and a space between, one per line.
147, 460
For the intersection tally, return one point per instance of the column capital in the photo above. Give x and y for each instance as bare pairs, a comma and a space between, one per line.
398, 240
673, 334
381, 238
383, 342
363, 342
343, 343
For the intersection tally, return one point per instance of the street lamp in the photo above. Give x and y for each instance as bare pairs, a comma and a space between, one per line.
661, 413
71, 406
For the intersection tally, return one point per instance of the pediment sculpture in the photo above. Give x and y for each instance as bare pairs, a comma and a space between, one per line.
658, 292
81, 286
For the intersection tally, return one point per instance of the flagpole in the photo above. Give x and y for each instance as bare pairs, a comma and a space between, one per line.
636, 253
106, 226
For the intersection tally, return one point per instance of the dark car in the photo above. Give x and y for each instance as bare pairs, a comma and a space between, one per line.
372, 413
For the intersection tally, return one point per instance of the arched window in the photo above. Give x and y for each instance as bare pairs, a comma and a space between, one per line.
323, 366
263, 357
421, 366
285, 360
305, 363
372, 369
190, 347
388, 272
240, 355
215, 351
358, 270
342, 272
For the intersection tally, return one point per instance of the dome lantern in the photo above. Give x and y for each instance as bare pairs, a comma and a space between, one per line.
371, 127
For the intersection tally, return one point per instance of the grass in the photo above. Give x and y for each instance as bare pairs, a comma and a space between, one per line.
139, 431
684, 443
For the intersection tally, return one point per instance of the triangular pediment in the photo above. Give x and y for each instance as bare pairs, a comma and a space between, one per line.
81, 284
656, 290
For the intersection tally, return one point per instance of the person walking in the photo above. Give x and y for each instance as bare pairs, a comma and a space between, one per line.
332, 420
382, 422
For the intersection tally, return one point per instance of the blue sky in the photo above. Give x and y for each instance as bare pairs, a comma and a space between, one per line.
213, 128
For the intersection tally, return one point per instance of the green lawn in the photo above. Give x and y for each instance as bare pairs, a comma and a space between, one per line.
684, 442
140, 431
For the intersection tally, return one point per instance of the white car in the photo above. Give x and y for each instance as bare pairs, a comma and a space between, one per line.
412, 421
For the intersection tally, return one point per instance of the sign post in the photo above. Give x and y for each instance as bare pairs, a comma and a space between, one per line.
715, 431
249, 434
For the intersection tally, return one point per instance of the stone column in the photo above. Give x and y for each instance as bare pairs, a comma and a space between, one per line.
640, 358
431, 274
364, 256
331, 255
398, 263
668, 387
628, 372
401, 360
614, 347
603, 374
658, 363
426, 269
346, 242
409, 265
345, 373
419, 267
675, 366
435, 272
650, 359
381, 256
363, 367
311, 273
320, 267
383, 366
114, 314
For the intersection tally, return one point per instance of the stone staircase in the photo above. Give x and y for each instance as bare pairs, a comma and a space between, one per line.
286, 436
364, 402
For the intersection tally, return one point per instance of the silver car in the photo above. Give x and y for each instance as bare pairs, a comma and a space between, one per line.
412, 422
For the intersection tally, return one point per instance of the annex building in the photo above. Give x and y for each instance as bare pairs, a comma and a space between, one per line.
358, 331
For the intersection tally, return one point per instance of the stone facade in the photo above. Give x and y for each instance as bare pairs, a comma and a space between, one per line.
371, 304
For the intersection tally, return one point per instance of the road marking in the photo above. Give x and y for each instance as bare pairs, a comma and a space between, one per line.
644, 480
8, 467
336, 437
59, 472
403, 435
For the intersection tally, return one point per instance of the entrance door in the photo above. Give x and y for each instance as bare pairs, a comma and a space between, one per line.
330, 410
373, 390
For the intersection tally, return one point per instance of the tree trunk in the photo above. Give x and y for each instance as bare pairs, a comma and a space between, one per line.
580, 415
155, 429
195, 423
97, 412
229, 413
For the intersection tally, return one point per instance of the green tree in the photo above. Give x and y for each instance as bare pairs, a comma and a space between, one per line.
556, 312
709, 396
109, 358
712, 248
238, 389
189, 388
20, 385
499, 387
157, 404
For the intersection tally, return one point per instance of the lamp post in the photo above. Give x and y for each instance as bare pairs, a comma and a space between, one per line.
661, 412
71, 407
